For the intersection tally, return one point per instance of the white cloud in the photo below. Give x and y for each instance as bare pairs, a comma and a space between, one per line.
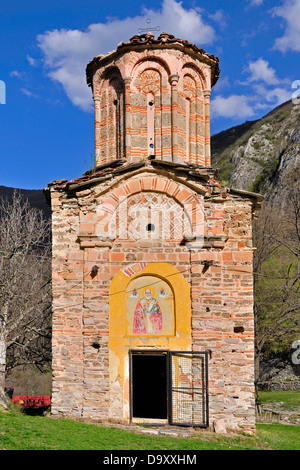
33, 62
28, 93
260, 70
66, 52
278, 96
222, 84
240, 107
220, 18
186, 24
15, 73
256, 3
234, 106
290, 12
264, 90
261, 95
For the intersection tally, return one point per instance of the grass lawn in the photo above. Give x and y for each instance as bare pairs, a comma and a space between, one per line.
22, 432
287, 399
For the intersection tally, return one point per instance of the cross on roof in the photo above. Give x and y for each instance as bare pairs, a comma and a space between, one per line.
148, 29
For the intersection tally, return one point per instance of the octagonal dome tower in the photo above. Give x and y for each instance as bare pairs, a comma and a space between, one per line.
152, 100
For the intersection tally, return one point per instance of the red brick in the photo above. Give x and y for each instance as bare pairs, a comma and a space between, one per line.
227, 256
217, 230
87, 228
182, 195
243, 256
115, 256
134, 186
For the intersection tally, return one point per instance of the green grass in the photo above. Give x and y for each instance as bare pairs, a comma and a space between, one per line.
280, 436
289, 398
22, 432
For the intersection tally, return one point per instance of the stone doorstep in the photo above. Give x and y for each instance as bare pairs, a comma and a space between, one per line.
168, 431
158, 430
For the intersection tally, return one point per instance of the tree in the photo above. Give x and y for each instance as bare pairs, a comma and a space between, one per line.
277, 275
25, 286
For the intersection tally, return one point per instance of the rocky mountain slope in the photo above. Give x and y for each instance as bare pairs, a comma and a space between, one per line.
262, 155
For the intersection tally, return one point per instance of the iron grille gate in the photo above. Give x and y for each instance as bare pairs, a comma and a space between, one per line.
186, 386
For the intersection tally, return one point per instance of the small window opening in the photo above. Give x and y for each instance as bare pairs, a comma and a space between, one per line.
238, 329
150, 228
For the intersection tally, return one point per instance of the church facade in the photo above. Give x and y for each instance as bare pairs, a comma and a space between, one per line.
152, 256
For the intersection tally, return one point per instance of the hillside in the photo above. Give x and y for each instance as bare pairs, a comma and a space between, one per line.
35, 197
259, 155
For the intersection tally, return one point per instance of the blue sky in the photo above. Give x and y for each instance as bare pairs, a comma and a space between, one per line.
46, 116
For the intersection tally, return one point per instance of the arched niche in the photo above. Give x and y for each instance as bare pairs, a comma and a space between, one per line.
110, 115
191, 104
150, 97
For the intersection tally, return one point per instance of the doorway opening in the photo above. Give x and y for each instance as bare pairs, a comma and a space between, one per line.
149, 385
169, 387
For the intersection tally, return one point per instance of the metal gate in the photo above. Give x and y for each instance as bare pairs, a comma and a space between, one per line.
188, 388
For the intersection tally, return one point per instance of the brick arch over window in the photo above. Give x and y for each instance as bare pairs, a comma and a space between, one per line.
146, 63
197, 74
112, 224
104, 75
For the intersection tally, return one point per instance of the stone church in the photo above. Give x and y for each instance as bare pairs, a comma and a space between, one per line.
152, 255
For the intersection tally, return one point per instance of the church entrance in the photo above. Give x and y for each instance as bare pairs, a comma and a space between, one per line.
169, 387
149, 385
149, 316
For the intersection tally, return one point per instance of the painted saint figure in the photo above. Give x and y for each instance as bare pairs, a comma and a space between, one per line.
147, 316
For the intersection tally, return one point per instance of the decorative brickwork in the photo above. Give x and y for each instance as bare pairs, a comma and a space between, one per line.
153, 101
155, 254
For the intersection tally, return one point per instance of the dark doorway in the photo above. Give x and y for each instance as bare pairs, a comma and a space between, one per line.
149, 385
